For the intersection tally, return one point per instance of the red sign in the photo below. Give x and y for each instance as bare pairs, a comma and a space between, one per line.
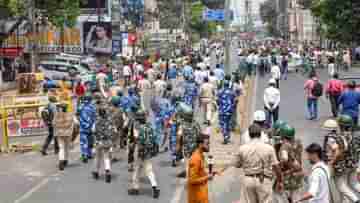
11, 52
132, 38
26, 127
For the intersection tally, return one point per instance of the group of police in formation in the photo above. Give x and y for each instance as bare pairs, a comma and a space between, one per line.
161, 114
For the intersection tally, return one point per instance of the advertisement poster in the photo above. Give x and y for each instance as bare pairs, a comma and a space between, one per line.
26, 127
97, 38
48, 41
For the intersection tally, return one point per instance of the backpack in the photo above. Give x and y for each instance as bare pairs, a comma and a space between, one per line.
147, 142
47, 115
317, 90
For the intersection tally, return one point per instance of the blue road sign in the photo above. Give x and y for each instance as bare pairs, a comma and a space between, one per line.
216, 15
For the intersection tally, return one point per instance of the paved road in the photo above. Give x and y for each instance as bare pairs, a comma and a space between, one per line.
31, 178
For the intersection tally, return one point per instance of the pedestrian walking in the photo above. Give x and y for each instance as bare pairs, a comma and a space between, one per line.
198, 178
276, 74
319, 180
103, 132
87, 116
226, 101
313, 90
127, 73
66, 131
207, 95
145, 144
334, 89
258, 161
48, 114
271, 102
349, 102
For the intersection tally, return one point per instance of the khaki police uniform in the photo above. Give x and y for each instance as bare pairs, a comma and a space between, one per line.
206, 99
256, 159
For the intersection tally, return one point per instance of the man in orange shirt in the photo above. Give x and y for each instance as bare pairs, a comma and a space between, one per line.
197, 176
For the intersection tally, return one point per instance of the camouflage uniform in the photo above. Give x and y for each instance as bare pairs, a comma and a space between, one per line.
190, 93
289, 157
103, 135
145, 144
226, 102
348, 144
118, 121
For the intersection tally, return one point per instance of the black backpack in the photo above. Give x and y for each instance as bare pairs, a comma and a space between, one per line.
318, 89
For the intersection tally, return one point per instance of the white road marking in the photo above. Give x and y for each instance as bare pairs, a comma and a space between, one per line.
28, 194
44, 182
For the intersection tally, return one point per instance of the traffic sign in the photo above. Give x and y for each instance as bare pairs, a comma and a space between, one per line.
214, 15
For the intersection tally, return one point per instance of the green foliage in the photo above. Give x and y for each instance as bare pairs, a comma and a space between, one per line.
12, 8
61, 12
170, 13
339, 20
306, 4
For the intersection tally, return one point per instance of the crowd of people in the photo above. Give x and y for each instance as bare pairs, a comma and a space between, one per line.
170, 105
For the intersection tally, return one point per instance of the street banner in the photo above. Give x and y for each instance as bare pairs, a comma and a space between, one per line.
26, 127
97, 38
47, 41
116, 44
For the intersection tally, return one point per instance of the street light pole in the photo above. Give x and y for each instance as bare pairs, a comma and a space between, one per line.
227, 64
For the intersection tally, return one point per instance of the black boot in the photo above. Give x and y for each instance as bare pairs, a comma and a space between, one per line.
61, 165
95, 175
173, 163
66, 163
133, 192
107, 176
156, 192
84, 159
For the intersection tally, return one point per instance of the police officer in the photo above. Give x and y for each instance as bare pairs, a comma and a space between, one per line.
258, 161
342, 154
65, 132
226, 102
87, 116
188, 131
103, 137
118, 120
290, 157
144, 150
190, 91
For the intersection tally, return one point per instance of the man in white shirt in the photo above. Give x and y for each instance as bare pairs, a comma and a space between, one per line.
198, 76
271, 102
127, 75
159, 86
276, 75
319, 190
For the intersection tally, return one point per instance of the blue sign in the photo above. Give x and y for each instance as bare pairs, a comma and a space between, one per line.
216, 15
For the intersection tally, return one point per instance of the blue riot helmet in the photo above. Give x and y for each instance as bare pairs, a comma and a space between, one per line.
87, 97
131, 91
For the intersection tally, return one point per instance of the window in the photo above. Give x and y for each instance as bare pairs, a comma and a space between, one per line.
62, 68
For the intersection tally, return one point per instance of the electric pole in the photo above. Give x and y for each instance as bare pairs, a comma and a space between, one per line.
227, 11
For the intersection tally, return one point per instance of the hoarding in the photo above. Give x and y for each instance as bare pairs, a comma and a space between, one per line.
97, 38
48, 41
26, 127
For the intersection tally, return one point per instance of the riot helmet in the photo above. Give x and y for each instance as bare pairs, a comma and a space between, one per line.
330, 125
345, 122
287, 132
115, 100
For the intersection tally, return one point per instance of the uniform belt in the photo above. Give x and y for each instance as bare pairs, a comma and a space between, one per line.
257, 176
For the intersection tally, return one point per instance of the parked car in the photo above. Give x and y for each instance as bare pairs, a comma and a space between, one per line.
57, 70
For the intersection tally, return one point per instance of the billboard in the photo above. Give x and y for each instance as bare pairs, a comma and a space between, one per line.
97, 38
48, 41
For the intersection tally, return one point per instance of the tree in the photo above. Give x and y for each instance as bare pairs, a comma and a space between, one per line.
306, 4
60, 12
269, 15
339, 20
